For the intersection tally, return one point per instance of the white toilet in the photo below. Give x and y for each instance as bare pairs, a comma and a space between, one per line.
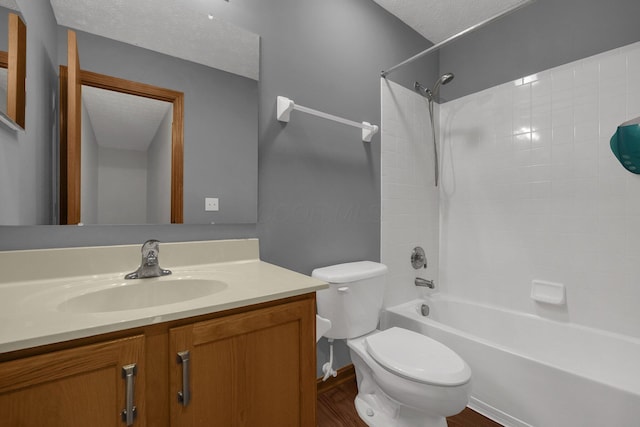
405, 379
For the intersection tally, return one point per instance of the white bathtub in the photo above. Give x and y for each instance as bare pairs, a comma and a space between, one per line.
530, 371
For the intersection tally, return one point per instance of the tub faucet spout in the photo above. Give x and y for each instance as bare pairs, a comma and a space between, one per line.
150, 265
424, 283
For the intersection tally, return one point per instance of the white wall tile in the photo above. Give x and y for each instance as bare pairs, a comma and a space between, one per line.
550, 202
410, 206
586, 74
562, 134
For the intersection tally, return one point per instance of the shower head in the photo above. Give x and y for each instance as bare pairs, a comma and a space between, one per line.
432, 94
443, 80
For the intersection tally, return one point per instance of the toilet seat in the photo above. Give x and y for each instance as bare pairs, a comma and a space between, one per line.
417, 357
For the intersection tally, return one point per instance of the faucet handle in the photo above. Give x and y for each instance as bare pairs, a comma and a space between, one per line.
418, 258
150, 247
150, 250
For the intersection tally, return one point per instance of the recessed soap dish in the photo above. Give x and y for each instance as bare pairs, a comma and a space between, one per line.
548, 292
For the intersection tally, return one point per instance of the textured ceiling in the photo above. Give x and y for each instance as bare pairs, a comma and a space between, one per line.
123, 121
437, 20
178, 28
9, 4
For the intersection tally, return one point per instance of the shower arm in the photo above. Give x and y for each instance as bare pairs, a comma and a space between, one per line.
455, 37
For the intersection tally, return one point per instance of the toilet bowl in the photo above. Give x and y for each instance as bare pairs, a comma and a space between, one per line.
405, 379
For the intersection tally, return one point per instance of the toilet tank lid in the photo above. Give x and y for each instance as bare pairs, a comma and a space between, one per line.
349, 272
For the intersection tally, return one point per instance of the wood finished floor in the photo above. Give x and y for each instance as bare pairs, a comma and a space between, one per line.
335, 409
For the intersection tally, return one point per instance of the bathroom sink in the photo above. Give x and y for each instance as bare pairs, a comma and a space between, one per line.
142, 293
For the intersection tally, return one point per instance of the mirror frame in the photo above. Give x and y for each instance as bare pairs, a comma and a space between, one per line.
15, 62
17, 70
70, 167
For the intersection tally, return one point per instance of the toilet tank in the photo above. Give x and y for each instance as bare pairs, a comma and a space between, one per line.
354, 298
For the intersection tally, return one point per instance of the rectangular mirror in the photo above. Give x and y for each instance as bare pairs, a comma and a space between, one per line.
214, 64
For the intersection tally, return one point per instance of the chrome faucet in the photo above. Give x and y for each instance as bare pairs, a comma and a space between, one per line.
424, 282
149, 266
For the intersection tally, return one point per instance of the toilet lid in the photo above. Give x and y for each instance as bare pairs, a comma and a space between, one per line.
417, 357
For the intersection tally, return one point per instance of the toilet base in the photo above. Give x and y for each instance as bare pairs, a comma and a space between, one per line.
387, 400
371, 412
372, 417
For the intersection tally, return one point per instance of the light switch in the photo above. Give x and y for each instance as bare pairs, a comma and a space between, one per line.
211, 204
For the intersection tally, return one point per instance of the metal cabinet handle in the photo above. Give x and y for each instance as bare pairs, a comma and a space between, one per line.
129, 413
184, 396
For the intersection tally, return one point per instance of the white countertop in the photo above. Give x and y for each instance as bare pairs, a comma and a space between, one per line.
31, 312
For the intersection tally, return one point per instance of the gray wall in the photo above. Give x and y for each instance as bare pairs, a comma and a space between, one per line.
89, 171
4, 27
319, 184
158, 173
542, 35
122, 186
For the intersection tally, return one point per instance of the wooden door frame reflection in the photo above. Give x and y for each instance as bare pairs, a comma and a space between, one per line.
70, 167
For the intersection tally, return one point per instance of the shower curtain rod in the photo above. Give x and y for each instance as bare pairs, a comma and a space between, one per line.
457, 36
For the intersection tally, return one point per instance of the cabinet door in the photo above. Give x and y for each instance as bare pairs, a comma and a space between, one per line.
78, 387
250, 369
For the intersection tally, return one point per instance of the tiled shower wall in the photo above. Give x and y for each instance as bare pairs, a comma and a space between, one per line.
531, 190
409, 196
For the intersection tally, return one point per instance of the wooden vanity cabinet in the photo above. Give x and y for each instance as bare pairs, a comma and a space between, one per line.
251, 366
249, 369
78, 387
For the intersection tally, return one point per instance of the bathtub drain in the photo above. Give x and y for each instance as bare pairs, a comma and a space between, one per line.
424, 309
